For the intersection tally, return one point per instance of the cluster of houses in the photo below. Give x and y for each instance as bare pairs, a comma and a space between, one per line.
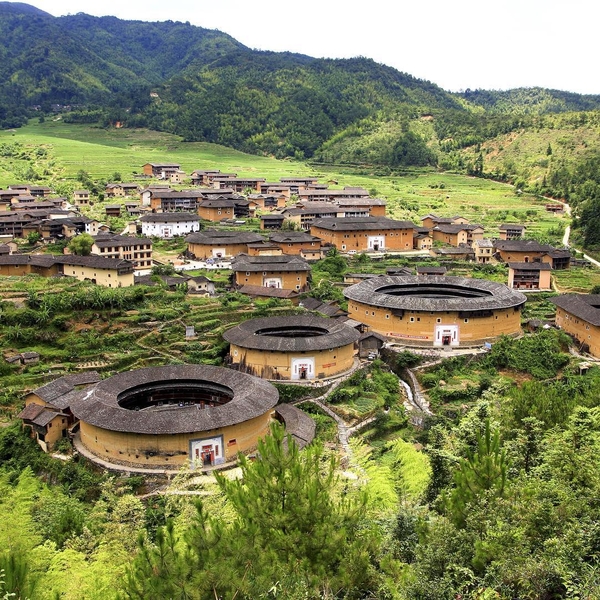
300, 220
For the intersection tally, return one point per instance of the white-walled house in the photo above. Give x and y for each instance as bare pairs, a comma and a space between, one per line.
167, 225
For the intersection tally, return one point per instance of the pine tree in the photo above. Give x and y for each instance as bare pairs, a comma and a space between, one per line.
480, 475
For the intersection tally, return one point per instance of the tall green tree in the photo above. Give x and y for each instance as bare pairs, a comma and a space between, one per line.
81, 244
481, 473
296, 531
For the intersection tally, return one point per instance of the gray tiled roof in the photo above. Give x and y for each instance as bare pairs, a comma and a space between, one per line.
434, 293
332, 334
109, 241
215, 237
522, 246
243, 262
362, 224
530, 266
583, 306
267, 292
169, 217
55, 391
298, 424
99, 406
515, 226
287, 237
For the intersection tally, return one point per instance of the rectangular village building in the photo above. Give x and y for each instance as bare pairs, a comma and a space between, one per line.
377, 234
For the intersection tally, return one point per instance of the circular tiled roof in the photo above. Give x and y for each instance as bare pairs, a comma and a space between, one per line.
250, 397
434, 293
304, 333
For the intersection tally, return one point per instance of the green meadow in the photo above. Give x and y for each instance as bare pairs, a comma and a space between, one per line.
54, 153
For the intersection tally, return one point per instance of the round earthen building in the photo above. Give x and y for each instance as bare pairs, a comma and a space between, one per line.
293, 348
436, 310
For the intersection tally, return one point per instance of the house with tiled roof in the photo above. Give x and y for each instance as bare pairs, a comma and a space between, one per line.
160, 170
529, 275
362, 234
511, 231
47, 411
283, 272
219, 243
134, 249
579, 316
294, 242
168, 225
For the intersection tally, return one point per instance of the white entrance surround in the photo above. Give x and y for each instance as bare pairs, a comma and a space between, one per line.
207, 452
303, 368
272, 282
446, 335
218, 252
376, 242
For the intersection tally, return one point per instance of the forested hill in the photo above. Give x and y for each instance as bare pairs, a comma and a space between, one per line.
530, 101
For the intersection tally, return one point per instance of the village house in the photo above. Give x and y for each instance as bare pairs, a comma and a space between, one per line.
37, 191
531, 251
298, 183
107, 272
47, 411
178, 177
529, 276
160, 170
264, 248
218, 209
302, 216
579, 316
168, 225
6, 197
356, 207
26, 200
112, 210
268, 201
453, 253
81, 197
422, 239
276, 188
425, 271
213, 243
136, 250
238, 184
377, 234
329, 195
172, 200
431, 220
457, 235
484, 251
258, 291
121, 190
201, 285
511, 231
205, 177
283, 272
370, 343
271, 221
294, 242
